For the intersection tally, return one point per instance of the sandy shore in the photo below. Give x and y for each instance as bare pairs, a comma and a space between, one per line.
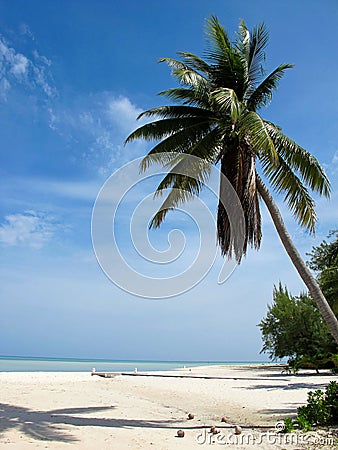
80, 411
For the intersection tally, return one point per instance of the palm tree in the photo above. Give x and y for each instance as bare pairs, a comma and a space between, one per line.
216, 119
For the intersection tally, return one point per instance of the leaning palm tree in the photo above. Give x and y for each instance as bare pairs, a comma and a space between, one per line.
214, 117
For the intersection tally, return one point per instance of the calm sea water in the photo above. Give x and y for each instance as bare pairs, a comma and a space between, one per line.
24, 364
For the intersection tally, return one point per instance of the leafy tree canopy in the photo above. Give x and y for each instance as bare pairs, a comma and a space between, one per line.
294, 328
324, 259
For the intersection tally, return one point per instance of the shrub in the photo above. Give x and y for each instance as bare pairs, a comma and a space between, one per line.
321, 408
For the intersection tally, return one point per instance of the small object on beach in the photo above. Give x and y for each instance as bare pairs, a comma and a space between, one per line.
180, 433
224, 419
216, 431
212, 429
93, 370
135, 370
191, 416
238, 429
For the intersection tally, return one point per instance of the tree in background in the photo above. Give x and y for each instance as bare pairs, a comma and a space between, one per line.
294, 328
217, 120
324, 259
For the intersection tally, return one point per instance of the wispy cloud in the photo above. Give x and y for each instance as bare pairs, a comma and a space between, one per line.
99, 125
30, 228
18, 69
94, 126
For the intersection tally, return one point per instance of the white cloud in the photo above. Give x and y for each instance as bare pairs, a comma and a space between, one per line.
123, 113
41, 58
18, 69
99, 124
30, 228
19, 64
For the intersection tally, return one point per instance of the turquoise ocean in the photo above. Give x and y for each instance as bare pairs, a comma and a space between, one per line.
33, 364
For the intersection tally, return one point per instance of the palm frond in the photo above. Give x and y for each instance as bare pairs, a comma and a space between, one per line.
197, 152
173, 63
220, 45
160, 129
262, 95
253, 129
195, 62
227, 102
185, 74
298, 199
226, 69
181, 142
183, 95
174, 111
300, 160
186, 180
259, 38
184, 166
176, 197
242, 45
242, 42
198, 95
191, 78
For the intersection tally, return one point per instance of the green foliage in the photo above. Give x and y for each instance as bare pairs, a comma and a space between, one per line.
294, 328
303, 424
288, 425
332, 401
321, 408
324, 259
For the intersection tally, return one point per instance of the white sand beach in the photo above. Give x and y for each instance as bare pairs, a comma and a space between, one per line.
76, 410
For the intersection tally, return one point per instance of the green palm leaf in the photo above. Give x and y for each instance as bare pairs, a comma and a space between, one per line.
300, 160
195, 62
181, 142
252, 128
183, 187
227, 102
175, 112
258, 40
162, 128
262, 94
226, 69
297, 197
185, 74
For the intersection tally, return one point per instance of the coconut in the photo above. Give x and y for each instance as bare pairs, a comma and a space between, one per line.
238, 429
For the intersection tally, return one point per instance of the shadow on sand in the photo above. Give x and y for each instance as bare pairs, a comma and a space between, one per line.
50, 425
288, 387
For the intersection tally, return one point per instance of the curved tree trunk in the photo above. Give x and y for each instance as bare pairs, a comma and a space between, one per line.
309, 280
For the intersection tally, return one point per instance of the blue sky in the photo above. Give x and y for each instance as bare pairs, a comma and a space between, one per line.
73, 77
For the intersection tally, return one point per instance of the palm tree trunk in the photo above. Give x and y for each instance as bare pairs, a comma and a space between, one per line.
304, 272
